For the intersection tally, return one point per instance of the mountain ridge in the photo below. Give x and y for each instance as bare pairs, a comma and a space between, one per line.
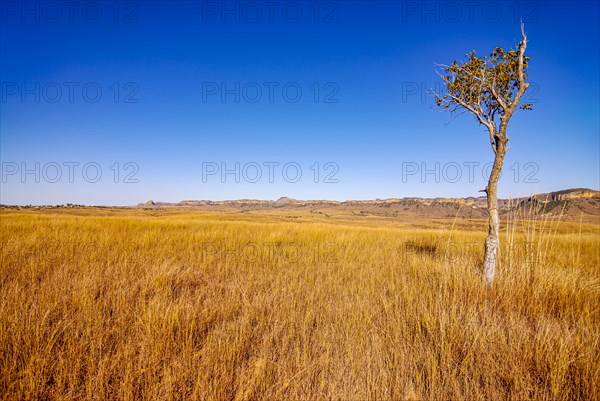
575, 204
566, 194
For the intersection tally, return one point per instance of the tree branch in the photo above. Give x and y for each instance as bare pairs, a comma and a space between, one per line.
495, 94
521, 76
471, 109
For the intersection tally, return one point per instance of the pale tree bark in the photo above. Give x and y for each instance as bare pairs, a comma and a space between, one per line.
492, 242
498, 141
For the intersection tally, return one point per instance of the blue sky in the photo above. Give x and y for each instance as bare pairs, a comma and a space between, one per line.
115, 103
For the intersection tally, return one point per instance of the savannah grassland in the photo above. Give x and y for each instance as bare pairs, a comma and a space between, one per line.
187, 305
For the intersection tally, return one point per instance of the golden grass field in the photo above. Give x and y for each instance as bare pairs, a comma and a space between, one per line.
101, 304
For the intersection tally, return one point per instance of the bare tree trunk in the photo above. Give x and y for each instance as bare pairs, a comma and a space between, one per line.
486, 89
492, 242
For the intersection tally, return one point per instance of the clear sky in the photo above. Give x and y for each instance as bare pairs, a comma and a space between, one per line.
115, 103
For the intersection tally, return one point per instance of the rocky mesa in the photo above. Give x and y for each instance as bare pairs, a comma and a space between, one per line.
570, 204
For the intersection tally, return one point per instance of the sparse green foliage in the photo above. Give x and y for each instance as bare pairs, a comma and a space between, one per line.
485, 86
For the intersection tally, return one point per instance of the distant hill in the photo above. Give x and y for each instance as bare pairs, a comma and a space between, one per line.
577, 204
571, 204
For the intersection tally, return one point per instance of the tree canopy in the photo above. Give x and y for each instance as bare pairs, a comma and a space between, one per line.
489, 87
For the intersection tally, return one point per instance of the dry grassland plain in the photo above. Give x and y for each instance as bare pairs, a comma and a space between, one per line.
131, 304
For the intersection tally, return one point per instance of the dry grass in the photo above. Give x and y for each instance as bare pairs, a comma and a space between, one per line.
188, 305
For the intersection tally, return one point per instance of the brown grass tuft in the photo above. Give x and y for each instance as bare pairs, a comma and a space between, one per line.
173, 306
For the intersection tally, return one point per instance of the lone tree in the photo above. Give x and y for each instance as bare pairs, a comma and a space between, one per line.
490, 88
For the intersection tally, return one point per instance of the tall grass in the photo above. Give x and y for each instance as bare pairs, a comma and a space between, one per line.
173, 306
